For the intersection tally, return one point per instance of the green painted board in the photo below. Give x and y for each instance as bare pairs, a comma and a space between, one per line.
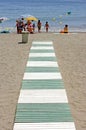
42, 59
43, 112
42, 84
41, 51
42, 69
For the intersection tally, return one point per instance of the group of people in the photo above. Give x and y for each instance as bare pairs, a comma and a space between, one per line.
39, 26
30, 26
21, 26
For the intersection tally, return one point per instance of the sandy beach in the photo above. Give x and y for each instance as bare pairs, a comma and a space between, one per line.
70, 51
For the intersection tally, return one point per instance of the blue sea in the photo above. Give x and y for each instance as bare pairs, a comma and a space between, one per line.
56, 12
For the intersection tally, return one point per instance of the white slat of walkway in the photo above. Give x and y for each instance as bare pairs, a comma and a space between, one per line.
43, 96
45, 126
41, 48
42, 54
42, 64
42, 76
40, 42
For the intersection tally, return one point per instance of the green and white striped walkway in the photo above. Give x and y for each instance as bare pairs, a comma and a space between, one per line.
43, 103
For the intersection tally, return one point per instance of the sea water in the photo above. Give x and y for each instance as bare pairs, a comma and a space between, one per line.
56, 12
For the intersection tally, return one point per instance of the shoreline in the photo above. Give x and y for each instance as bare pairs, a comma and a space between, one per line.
51, 29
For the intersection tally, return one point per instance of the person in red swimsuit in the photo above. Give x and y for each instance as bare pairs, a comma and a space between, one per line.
47, 26
39, 25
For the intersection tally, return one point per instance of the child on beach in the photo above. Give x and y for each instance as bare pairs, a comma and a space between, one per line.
47, 26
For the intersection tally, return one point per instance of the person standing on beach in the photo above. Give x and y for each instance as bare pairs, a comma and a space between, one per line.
33, 27
29, 27
17, 25
20, 26
39, 25
47, 26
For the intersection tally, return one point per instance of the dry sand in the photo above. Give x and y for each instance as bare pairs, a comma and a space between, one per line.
70, 50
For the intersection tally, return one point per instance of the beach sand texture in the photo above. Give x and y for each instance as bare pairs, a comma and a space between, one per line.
71, 52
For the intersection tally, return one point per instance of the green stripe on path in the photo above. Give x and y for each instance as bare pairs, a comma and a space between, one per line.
42, 84
41, 51
36, 112
41, 69
42, 59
